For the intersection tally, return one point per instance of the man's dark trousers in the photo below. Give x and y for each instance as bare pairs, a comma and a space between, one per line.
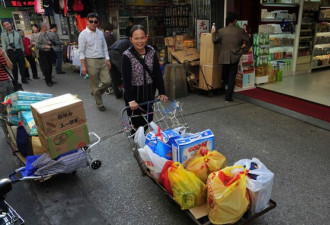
229, 77
45, 60
59, 60
17, 57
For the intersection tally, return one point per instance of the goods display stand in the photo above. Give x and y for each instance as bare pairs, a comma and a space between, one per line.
169, 115
321, 51
245, 78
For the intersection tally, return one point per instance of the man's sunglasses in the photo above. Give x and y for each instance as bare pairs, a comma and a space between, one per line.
93, 21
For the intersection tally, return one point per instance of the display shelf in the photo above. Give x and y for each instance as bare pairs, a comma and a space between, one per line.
272, 20
322, 34
273, 60
293, 5
303, 59
322, 45
306, 37
317, 67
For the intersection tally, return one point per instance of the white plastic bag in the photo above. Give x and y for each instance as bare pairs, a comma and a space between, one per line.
260, 190
139, 137
153, 161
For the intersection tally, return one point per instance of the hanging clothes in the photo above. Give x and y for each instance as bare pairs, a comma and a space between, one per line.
81, 23
38, 7
78, 6
48, 7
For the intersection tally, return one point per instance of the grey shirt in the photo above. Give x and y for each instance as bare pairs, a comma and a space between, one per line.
12, 37
56, 43
41, 41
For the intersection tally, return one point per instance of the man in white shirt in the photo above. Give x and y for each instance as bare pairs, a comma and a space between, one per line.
94, 58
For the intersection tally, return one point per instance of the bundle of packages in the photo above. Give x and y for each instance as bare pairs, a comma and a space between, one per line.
21, 101
259, 183
227, 196
28, 122
205, 162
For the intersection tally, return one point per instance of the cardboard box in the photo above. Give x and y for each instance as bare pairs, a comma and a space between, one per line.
178, 45
245, 80
170, 50
37, 147
213, 75
58, 114
182, 37
184, 149
209, 52
65, 141
169, 41
190, 54
189, 43
12, 132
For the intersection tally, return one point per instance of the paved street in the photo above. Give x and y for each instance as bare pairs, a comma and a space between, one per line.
298, 154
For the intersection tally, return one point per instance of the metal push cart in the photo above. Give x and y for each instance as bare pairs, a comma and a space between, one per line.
169, 116
69, 163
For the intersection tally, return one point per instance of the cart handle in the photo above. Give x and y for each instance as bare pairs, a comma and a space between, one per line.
14, 179
143, 103
97, 137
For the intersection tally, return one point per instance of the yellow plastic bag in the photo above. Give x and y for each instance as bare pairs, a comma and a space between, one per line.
188, 190
227, 196
27, 64
205, 162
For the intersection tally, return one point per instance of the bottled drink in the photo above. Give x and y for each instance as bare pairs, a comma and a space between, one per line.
213, 27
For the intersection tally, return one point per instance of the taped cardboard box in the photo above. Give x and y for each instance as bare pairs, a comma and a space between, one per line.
212, 75
37, 147
170, 50
209, 52
169, 41
189, 43
190, 54
58, 114
65, 141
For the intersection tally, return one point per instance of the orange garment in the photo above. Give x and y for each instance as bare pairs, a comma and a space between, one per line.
81, 23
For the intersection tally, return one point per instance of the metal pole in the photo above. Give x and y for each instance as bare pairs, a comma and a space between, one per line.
297, 35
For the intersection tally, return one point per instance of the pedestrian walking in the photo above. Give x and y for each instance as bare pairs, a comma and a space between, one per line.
141, 75
44, 46
12, 44
28, 55
231, 39
115, 52
94, 58
34, 49
6, 86
57, 46
108, 34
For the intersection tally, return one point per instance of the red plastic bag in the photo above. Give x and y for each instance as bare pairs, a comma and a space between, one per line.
163, 177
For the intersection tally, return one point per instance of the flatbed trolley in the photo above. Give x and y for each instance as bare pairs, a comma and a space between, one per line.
169, 115
17, 174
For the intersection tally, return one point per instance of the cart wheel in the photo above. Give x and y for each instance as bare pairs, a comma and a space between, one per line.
96, 164
210, 93
108, 91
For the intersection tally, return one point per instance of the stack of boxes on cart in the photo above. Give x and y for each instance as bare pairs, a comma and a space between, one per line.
198, 178
40, 123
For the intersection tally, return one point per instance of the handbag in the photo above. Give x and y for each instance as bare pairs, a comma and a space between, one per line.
17, 85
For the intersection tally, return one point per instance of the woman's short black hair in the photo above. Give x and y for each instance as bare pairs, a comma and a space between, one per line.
137, 27
108, 26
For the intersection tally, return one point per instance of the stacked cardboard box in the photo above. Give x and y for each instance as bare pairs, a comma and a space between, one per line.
61, 124
178, 43
210, 71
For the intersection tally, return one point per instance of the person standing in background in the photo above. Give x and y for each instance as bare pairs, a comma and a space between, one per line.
231, 39
115, 52
94, 57
6, 86
45, 58
57, 46
129, 27
12, 44
34, 49
28, 56
108, 35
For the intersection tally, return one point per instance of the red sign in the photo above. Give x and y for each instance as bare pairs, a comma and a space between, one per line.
22, 3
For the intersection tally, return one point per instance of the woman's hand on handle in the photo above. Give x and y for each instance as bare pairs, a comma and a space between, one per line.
163, 98
133, 105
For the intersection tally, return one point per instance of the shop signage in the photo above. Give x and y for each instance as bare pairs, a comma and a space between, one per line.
21, 3
202, 26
